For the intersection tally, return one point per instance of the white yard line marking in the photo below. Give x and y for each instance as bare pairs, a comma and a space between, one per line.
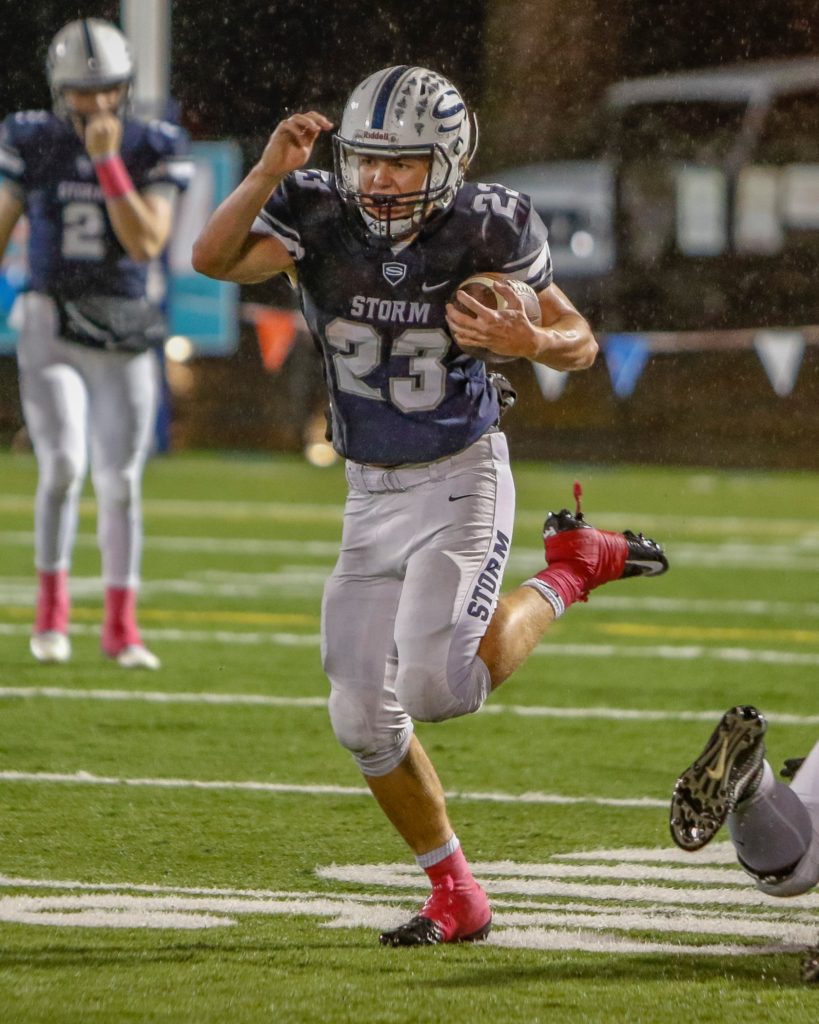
88, 779
660, 652
586, 915
798, 556
210, 545
195, 508
304, 581
198, 636
12, 882
630, 890
317, 512
713, 853
163, 697
310, 580
267, 700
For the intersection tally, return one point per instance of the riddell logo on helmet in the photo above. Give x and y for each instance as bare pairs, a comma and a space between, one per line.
376, 136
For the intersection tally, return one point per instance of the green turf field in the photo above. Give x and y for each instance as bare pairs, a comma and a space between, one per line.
192, 846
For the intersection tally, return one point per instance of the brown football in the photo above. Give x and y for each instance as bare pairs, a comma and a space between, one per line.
482, 288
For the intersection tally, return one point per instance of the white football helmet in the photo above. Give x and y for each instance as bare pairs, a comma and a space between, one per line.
410, 112
88, 54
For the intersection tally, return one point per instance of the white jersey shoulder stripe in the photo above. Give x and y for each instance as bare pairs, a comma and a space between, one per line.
11, 162
179, 171
265, 224
536, 265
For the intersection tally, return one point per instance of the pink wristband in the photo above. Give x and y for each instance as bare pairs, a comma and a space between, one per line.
113, 177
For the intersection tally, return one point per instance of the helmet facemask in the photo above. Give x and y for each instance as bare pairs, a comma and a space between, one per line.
394, 216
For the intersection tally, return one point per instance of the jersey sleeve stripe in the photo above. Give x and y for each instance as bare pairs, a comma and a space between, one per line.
535, 267
179, 172
11, 163
267, 225
523, 262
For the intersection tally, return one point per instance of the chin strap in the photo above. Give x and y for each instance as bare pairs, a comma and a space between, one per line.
388, 229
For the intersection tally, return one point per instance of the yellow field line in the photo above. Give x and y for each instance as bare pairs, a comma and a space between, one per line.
615, 629
639, 629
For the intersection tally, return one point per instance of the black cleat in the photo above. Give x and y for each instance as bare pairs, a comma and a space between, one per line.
645, 556
453, 912
421, 931
728, 769
418, 931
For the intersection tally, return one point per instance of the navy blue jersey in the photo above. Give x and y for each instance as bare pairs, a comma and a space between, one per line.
401, 390
72, 247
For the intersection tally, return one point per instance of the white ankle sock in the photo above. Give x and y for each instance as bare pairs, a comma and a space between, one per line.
426, 860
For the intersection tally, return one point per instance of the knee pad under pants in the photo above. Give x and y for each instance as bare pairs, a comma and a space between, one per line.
117, 486
377, 738
358, 656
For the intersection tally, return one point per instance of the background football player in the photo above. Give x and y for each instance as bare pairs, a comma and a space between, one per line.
412, 624
98, 188
774, 827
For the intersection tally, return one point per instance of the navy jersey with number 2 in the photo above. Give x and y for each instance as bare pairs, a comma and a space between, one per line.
72, 247
401, 390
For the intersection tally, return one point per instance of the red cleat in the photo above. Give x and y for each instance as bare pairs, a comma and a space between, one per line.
594, 557
581, 558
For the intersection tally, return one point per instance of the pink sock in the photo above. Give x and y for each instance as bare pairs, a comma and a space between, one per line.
53, 602
120, 626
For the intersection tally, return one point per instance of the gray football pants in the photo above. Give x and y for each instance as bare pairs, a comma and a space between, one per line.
418, 576
772, 826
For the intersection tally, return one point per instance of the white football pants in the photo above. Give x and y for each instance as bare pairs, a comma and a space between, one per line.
75, 400
419, 573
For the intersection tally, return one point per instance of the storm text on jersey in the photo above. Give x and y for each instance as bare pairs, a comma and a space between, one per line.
389, 310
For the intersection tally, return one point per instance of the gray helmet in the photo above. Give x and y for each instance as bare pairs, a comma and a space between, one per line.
87, 54
404, 111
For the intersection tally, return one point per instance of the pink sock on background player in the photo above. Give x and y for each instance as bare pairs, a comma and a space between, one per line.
120, 626
53, 602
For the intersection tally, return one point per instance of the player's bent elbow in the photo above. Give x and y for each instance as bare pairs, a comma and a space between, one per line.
206, 261
202, 261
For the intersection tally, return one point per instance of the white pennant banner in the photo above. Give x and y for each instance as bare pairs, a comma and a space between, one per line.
780, 353
551, 382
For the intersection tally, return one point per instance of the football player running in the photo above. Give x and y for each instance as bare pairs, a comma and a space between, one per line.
774, 827
413, 626
98, 188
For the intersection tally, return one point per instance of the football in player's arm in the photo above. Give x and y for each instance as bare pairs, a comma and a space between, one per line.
98, 188
413, 624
